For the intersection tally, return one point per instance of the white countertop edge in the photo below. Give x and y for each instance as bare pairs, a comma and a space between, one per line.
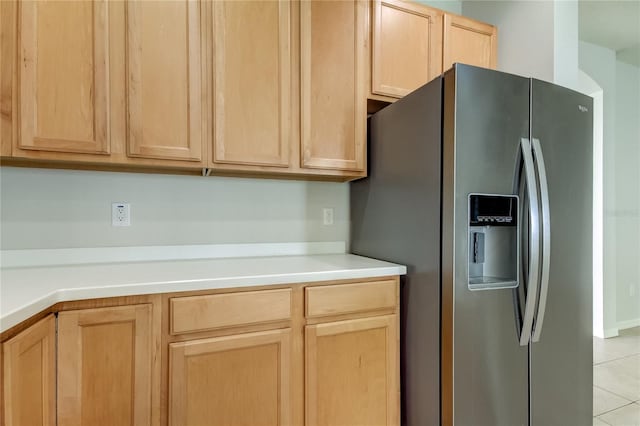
18, 315
79, 256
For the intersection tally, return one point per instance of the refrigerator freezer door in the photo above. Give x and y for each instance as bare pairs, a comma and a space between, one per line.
561, 361
486, 115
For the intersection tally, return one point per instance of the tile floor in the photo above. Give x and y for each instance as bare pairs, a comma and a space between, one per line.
616, 379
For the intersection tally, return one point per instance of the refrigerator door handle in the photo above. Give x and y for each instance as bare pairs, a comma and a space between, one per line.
546, 238
534, 240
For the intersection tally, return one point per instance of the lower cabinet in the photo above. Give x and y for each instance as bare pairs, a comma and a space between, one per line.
29, 377
352, 374
240, 380
325, 352
105, 359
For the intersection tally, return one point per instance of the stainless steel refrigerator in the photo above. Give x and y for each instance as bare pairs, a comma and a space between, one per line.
480, 182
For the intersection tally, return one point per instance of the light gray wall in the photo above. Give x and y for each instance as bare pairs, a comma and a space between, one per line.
525, 34
627, 190
599, 64
621, 86
453, 6
58, 209
565, 43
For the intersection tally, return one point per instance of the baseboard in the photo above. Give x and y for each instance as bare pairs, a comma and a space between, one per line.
629, 323
610, 332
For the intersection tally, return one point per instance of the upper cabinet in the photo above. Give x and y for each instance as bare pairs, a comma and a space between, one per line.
407, 47
268, 88
469, 42
333, 43
164, 80
63, 73
288, 87
251, 80
101, 83
413, 43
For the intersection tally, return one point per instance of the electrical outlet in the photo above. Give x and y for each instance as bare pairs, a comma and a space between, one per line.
120, 214
327, 216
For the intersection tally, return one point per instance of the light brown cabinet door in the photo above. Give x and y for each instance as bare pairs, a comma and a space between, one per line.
105, 358
469, 42
30, 376
352, 372
164, 88
63, 74
252, 82
407, 47
333, 43
240, 380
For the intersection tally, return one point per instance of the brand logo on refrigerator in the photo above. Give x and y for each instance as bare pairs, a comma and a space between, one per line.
583, 108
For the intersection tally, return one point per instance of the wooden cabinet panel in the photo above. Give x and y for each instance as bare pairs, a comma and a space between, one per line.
105, 359
240, 380
63, 76
163, 90
30, 376
352, 373
333, 43
7, 58
468, 42
350, 298
197, 313
407, 47
252, 82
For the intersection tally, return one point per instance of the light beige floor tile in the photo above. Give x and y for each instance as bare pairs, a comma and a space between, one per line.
621, 377
604, 401
598, 422
629, 415
627, 343
614, 348
635, 331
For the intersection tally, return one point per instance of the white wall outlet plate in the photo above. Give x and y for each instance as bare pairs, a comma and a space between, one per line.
327, 216
120, 214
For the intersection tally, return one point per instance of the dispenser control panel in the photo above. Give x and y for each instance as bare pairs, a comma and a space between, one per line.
493, 230
497, 210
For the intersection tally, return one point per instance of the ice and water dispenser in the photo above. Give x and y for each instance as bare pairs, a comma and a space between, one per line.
493, 241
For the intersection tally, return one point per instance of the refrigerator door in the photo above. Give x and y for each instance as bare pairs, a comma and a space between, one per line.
486, 117
561, 359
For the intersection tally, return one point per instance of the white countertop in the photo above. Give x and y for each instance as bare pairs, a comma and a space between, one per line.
28, 290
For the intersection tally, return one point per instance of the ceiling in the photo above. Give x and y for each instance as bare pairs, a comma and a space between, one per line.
614, 24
